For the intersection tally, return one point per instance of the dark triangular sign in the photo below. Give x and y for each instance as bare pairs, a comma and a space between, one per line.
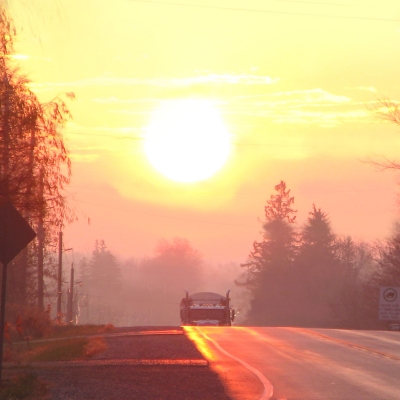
15, 233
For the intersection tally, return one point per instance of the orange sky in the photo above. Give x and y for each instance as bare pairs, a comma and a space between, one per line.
292, 81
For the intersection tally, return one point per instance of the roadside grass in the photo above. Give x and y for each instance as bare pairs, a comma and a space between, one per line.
65, 350
62, 346
23, 386
79, 330
59, 350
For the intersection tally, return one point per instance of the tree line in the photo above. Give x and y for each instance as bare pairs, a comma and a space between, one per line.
305, 276
137, 292
309, 276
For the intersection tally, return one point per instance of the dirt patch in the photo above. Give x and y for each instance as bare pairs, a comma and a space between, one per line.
149, 346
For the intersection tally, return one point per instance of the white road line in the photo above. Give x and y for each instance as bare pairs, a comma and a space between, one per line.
268, 388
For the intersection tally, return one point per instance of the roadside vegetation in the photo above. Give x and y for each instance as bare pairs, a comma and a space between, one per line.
61, 349
311, 277
62, 343
78, 330
23, 386
66, 343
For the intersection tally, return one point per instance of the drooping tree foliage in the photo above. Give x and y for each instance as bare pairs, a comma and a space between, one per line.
34, 167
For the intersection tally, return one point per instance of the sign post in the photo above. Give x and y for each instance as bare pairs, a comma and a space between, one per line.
389, 303
15, 234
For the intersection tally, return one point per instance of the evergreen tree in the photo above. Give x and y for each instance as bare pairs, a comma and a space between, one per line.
317, 250
317, 269
84, 270
105, 273
269, 266
105, 285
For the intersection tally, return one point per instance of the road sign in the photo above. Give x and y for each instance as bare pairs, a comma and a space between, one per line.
15, 233
389, 303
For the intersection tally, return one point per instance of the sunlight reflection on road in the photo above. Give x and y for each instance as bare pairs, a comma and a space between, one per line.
204, 347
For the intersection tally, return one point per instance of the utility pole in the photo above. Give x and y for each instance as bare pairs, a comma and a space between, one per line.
71, 297
40, 237
59, 278
87, 307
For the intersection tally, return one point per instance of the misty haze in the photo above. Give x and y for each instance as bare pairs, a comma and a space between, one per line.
199, 200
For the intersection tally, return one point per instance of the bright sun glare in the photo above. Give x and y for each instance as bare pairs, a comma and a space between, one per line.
187, 140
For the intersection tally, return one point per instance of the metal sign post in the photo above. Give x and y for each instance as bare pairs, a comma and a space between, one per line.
15, 234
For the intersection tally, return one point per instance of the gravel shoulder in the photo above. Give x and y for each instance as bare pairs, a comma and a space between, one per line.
144, 363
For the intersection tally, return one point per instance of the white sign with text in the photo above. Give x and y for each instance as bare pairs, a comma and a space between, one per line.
389, 303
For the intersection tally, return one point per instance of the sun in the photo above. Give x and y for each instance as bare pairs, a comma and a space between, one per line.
187, 140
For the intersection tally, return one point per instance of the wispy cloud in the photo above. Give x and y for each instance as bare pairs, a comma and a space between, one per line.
242, 79
83, 158
116, 132
117, 100
313, 106
327, 119
230, 79
367, 89
311, 96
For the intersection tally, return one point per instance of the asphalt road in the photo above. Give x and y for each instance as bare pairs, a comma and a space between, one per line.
306, 364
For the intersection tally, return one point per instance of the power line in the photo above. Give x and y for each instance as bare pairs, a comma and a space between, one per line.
254, 10
317, 3
160, 215
197, 220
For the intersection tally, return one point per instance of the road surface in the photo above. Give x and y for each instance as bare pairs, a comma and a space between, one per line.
307, 364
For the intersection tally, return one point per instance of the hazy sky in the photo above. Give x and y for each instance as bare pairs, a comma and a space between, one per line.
292, 82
